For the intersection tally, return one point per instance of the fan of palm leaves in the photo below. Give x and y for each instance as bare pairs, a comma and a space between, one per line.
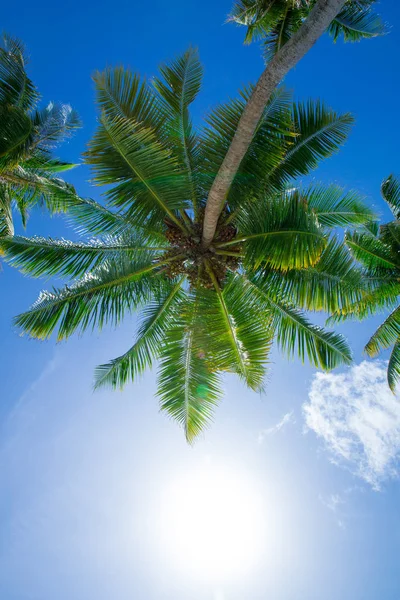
201, 312
378, 250
28, 172
275, 21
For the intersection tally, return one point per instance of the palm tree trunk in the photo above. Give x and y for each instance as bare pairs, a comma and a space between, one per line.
285, 59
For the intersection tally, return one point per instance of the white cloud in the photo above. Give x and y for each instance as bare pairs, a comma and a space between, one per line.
332, 502
286, 419
358, 418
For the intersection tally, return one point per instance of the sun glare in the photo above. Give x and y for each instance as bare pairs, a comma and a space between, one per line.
212, 524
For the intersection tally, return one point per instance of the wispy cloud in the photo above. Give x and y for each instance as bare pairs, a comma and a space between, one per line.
358, 417
334, 503
286, 419
27, 394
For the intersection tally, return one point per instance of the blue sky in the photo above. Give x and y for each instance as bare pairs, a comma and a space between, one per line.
83, 475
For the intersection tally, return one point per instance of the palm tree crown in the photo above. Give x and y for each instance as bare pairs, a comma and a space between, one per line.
28, 172
378, 250
275, 21
202, 312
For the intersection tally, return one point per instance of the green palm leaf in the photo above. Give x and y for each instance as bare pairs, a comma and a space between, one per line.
54, 124
42, 162
89, 216
295, 334
122, 94
102, 296
6, 222
182, 83
188, 389
152, 186
16, 128
372, 252
159, 316
240, 338
383, 294
332, 284
391, 194
40, 256
268, 20
320, 133
337, 208
29, 187
390, 235
275, 21
357, 21
280, 232
386, 335
16, 88
393, 372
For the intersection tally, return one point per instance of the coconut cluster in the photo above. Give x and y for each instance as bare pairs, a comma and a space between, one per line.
193, 255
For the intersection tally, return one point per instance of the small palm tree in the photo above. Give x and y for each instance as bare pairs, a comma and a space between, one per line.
28, 172
202, 311
378, 250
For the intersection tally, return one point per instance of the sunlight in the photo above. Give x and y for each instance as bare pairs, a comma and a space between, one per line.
212, 524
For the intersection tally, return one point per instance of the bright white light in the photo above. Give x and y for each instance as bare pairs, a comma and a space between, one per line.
211, 524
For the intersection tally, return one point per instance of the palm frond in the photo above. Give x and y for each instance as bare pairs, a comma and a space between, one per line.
123, 94
182, 83
6, 221
383, 295
16, 88
265, 18
372, 252
88, 216
332, 284
336, 208
16, 127
241, 340
320, 133
295, 334
356, 21
29, 187
390, 236
283, 29
53, 124
391, 194
393, 372
151, 185
386, 335
40, 256
41, 162
158, 317
187, 388
275, 21
281, 232
101, 296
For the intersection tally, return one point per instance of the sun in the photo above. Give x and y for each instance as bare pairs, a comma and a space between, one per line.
211, 524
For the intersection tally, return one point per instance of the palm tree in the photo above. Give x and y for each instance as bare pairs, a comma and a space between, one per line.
202, 312
378, 250
289, 29
28, 172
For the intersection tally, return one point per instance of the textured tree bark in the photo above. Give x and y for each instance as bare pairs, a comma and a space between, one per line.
285, 59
